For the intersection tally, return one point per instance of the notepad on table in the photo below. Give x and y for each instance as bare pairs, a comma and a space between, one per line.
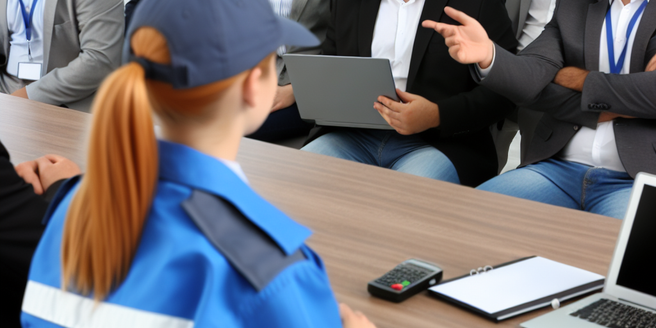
517, 287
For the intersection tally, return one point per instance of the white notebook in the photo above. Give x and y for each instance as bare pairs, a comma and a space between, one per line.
518, 287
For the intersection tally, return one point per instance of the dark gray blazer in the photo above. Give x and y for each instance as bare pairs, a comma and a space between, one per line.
572, 39
315, 16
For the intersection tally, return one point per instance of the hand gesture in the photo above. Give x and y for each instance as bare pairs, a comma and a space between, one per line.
468, 43
351, 319
414, 115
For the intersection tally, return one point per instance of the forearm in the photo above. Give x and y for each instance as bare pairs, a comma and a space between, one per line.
625, 94
564, 105
520, 78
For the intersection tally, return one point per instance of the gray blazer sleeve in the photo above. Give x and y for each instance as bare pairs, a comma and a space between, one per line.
626, 94
315, 17
100, 28
522, 78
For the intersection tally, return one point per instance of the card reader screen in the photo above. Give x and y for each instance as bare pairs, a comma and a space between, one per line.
639, 264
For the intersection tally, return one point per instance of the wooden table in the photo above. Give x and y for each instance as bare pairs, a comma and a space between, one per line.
367, 219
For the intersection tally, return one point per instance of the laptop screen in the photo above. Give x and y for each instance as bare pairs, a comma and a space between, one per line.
639, 262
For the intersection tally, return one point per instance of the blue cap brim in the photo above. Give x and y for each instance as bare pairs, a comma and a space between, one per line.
295, 34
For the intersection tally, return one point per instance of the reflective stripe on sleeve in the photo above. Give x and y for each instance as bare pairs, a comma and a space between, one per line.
71, 310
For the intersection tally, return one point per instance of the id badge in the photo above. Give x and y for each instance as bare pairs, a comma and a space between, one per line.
29, 71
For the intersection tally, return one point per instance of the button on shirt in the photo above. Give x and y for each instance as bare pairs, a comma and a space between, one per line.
18, 50
394, 36
282, 8
597, 147
539, 14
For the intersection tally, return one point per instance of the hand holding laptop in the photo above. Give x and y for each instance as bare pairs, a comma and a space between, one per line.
414, 114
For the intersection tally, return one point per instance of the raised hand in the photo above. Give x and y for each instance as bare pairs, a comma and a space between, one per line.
468, 43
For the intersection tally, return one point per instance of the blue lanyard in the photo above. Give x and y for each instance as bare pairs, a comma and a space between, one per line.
616, 68
27, 19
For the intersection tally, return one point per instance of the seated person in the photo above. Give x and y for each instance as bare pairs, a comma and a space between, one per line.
58, 51
442, 125
284, 121
597, 131
168, 232
22, 208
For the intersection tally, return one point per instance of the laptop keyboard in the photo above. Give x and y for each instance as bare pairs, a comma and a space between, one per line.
612, 314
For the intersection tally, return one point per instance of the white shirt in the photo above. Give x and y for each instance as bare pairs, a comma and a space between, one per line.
394, 36
282, 8
18, 49
597, 147
540, 13
235, 168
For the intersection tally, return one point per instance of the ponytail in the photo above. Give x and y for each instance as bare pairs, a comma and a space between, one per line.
106, 216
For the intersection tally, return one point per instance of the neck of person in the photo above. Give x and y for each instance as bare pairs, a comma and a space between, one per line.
217, 133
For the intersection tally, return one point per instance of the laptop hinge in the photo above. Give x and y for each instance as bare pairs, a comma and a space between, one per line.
639, 305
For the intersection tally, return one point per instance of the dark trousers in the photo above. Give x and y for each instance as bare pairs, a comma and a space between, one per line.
282, 124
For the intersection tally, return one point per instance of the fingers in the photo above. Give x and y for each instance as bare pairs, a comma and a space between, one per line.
446, 30
29, 171
459, 16
406, 97
54, 159
353, 319
345, 311
394, 106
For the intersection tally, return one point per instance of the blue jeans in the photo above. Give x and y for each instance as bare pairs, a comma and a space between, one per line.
409, 154
567, 184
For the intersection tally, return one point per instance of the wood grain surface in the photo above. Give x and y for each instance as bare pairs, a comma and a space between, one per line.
366, 219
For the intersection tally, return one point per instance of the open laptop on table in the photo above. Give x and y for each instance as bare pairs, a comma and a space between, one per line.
340, 91
629, 295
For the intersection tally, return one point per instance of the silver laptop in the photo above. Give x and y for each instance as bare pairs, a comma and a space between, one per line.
629, 295
340, 91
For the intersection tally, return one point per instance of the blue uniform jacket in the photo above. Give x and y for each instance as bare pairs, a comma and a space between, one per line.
213, 254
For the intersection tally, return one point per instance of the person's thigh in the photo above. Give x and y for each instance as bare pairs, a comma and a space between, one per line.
609, 194
530, 184
352, 145
427, 162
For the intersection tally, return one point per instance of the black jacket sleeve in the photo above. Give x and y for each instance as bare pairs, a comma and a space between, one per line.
21, 213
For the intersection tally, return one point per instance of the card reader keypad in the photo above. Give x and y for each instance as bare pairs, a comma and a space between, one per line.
403, 275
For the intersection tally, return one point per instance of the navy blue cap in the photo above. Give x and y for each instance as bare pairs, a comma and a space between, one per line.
212, 40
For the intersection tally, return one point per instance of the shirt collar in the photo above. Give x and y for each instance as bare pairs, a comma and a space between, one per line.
187, 166
610, 2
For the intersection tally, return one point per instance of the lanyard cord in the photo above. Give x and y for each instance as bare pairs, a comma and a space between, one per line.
27, 19
616, 68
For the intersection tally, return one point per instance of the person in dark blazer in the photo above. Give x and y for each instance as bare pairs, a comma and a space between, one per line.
598, 128
284, 121
23, 202
442, 126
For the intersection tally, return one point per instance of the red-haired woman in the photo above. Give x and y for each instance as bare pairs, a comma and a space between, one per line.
168, 233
